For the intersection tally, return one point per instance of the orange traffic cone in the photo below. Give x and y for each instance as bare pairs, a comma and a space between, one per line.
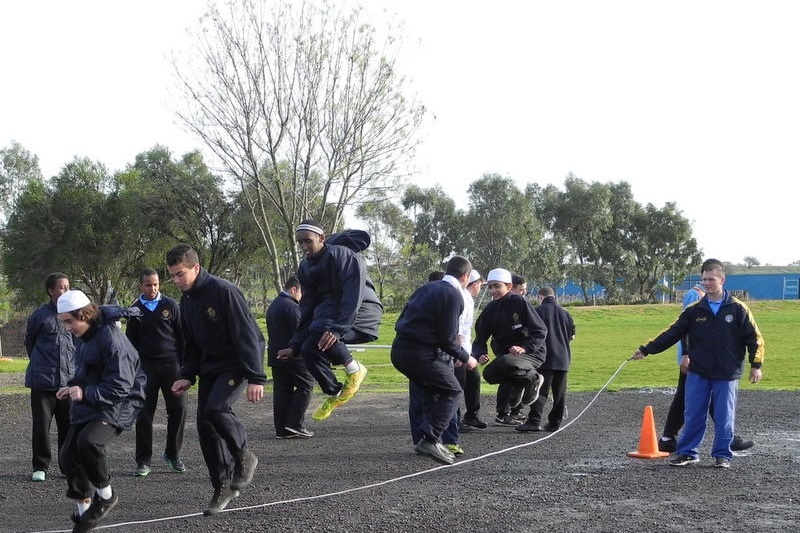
648, 443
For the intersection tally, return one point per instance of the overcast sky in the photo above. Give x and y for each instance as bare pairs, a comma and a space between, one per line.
690, 102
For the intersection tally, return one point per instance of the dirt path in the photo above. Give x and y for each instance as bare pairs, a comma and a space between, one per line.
358, 474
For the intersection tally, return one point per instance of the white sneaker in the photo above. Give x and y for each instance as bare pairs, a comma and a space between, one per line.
39, 475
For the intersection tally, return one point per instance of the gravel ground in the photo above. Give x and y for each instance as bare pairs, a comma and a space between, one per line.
359, 474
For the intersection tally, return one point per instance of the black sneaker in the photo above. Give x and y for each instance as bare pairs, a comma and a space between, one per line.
243, 470
722, 462
683, 460
552, 427
99, 508
517, 414
142, 471
506, 420
222, 497
435, 450
474, 422
79, 526
738, 444
463, 428
300, 432
666, 445
175, 464
534, 393
527, 426
285, 435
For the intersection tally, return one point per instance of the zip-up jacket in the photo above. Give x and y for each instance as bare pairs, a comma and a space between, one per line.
220, 331
108, 370
283, 315
510, 321
51, 349
338, 295
560, 330
430, 319
716, 344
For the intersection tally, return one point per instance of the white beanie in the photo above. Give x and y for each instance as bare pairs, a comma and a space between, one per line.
474, 276
72, 301
499, 274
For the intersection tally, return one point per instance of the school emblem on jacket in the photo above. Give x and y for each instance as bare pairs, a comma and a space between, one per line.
212, 314
729, 318
166, 315
515, 318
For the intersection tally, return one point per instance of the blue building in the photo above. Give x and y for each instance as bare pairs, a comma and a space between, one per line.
744, 286
755, 286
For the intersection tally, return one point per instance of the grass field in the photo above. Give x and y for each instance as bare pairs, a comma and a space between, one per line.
606, 337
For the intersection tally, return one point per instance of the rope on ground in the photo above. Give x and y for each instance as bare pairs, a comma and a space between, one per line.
371, 485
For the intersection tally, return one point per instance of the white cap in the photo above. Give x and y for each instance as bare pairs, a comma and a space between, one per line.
499, 274
72, 301
474, 276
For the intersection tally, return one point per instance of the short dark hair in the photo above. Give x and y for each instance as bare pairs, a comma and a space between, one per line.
712, 264
290, 282
182, 253
436, 275
458, 266
50, 281
546, 291
517, 280
145, 272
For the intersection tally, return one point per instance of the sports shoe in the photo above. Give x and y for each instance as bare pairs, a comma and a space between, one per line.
722, 462
517, 414
683, 460
435, 450
666, 445
552, 427
79, 526
243, 470
38, 475
455, 449
175, 464
327, 407
222, 497
142, 471
474, 422
352, 383
534, 393
285, 435
527, 426
300, 432
738, 444
99, 508
506, 420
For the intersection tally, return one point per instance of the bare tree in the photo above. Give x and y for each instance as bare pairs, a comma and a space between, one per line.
303, 106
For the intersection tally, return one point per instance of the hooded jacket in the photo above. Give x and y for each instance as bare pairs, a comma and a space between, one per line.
51, 349
338, 295
108, 369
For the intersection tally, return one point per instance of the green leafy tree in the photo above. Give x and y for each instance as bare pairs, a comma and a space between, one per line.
181, 200
663, 250
500, 227
17, 168
390, 231
304, 107
437, 223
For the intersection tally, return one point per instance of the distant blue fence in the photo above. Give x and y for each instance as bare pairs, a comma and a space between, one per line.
745, 286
